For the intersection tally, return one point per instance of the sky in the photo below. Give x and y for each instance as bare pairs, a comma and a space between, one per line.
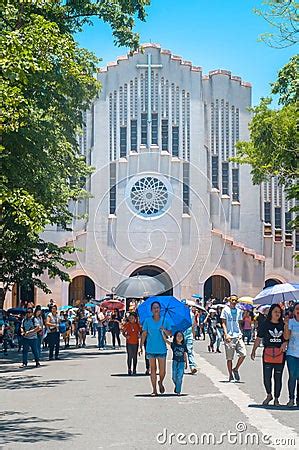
212, 34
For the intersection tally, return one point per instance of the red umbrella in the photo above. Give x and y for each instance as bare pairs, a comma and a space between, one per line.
113, 304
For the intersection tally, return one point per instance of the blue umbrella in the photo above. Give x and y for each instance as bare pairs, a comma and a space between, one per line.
197, 296
90, 305
63, 308
172, 310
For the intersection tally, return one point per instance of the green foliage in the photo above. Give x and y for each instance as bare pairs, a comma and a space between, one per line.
273, 147
47, 81
282, 16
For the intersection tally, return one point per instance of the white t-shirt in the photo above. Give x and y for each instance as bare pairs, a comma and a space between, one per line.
293, 347
232, 317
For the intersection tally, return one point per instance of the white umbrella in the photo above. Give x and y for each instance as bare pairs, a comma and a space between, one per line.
196, 305
139, 286
219, 305
277, 294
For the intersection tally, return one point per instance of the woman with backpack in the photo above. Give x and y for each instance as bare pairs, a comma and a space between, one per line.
29, 329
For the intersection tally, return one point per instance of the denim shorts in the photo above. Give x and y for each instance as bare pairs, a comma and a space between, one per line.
155, 355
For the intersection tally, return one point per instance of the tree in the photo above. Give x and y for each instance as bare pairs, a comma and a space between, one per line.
47, 81
273, 147
282, 15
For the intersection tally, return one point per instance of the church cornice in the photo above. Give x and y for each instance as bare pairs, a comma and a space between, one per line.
238, 245
173, 57
228, 74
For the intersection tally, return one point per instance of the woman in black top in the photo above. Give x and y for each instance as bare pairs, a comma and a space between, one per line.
113, 326
271, 331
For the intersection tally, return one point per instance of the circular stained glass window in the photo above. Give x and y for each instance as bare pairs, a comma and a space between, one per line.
149, 196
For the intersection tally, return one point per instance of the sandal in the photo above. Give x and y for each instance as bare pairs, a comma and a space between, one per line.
154, 394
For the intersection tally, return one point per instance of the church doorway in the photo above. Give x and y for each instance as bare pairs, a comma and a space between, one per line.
160, 274
81, 290
216, 286
22, 294
271, 282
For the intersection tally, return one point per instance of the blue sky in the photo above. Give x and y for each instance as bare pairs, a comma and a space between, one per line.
212, 34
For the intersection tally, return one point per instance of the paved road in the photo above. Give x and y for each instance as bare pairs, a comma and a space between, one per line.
86, 400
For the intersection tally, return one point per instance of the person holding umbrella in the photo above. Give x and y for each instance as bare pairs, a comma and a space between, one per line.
156, 349
291, 333
272, 333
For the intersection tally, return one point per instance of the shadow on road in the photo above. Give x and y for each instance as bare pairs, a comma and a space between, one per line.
159, 395
29, 382
30, 429
128, 376
274, 408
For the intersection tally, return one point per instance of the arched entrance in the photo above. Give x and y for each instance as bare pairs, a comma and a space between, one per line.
81, 289
216, 286
271, 282
160, 274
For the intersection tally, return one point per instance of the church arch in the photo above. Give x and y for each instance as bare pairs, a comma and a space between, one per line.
160, 274
218, 286
81, 289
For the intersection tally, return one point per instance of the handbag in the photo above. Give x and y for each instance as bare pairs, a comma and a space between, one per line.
273, 355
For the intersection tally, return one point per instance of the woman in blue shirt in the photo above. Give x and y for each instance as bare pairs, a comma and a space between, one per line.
156, 350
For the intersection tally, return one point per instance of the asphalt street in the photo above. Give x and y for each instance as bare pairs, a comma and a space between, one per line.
87, 400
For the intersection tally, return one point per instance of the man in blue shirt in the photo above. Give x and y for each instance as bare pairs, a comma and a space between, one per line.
232, 322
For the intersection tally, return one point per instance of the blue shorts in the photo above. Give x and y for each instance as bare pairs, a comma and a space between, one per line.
155, 355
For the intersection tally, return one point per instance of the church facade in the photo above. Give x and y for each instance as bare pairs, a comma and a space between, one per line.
165, 199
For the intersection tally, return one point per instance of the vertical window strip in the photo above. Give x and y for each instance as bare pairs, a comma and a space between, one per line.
215, 172
136, 98
212, 128
235, 185
162, 98
227, 129
152, 90
114, 124
125, 104
297, 240
275, 186
110, 126
225, 178
112, 196
287, 222
184, 123
177, 106
188, 125
175, 140
146, 90
134, 135
156, 92
186, 190
167, 99
144, 128
237, 124
123, 142
233, 129
277, 212
217, 126
131, 100
222, 131
165, 134
155, 128
142, 83
267, 212
92, 127
121, 106
173, 103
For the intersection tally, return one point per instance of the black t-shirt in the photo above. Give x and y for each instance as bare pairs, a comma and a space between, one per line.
178, 351
271, 333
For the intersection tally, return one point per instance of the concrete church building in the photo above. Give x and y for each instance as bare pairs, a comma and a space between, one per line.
165, 199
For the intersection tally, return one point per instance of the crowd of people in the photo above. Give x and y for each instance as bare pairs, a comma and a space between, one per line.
226, 325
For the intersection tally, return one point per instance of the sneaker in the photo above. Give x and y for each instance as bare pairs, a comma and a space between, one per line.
37, 364
147, 372
218, 351
193, 371
23, 366
51, 359
291, 404
267, 400
129, 372
276, 402
134, 372
230, 378
236, 374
